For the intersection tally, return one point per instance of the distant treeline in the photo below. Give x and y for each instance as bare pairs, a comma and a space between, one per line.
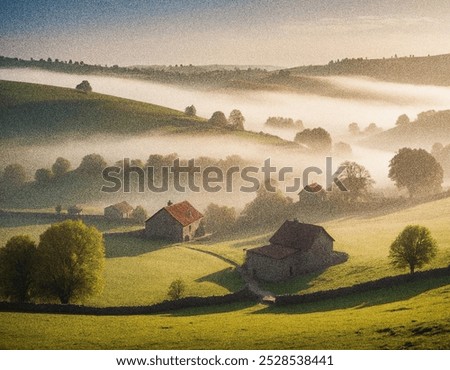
168, 75
419, 70
431, 70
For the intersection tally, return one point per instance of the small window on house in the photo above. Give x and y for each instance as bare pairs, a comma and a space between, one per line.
291, 271
190, 228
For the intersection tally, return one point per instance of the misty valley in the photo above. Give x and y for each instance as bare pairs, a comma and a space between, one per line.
183, 194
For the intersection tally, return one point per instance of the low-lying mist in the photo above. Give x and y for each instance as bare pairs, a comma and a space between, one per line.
331, 113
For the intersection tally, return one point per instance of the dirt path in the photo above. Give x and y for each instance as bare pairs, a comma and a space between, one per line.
250, 282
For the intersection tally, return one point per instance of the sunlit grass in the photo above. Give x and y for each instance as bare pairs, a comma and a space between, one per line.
420, 322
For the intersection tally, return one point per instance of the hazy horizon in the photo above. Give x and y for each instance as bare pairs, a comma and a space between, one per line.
282, 33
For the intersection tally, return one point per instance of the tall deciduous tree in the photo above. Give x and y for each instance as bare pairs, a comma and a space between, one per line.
416, 170
190, 111
413, 248
60, 167
176, 289
17, 266
71, 259
236, 119
356, 179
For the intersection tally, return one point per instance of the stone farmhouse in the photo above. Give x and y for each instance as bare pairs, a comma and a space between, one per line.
295, 248
118, 211
176, 222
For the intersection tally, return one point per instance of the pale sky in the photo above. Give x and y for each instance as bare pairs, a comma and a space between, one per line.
282, 33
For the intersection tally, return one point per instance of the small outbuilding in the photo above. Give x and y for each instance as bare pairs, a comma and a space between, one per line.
296, 248
177, 222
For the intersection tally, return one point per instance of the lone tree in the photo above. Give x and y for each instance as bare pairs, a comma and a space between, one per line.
316, 139
218, 119
190, 111
357, 180
236, 119
17, 265
176, 289
71, 258
416, 170
413, 248
84, 86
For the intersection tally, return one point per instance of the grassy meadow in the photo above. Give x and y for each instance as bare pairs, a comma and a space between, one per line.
418, 322
138, 272
35, 114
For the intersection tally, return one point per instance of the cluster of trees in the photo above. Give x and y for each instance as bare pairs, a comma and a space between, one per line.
317, 140
235, 120
15, 176
219, 219
371, 129
269, 208
91, 165
282, 122
67, 264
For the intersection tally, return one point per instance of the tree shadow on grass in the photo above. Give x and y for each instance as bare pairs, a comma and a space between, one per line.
214, 309
228, 278
293, 285
131, 244
361, 300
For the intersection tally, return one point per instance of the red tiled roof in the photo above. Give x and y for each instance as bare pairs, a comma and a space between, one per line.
277, 252
297, 235
184, 213
313, 188
122, 207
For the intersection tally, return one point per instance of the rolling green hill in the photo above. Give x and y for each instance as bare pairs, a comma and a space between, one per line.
35, 113
429, 70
